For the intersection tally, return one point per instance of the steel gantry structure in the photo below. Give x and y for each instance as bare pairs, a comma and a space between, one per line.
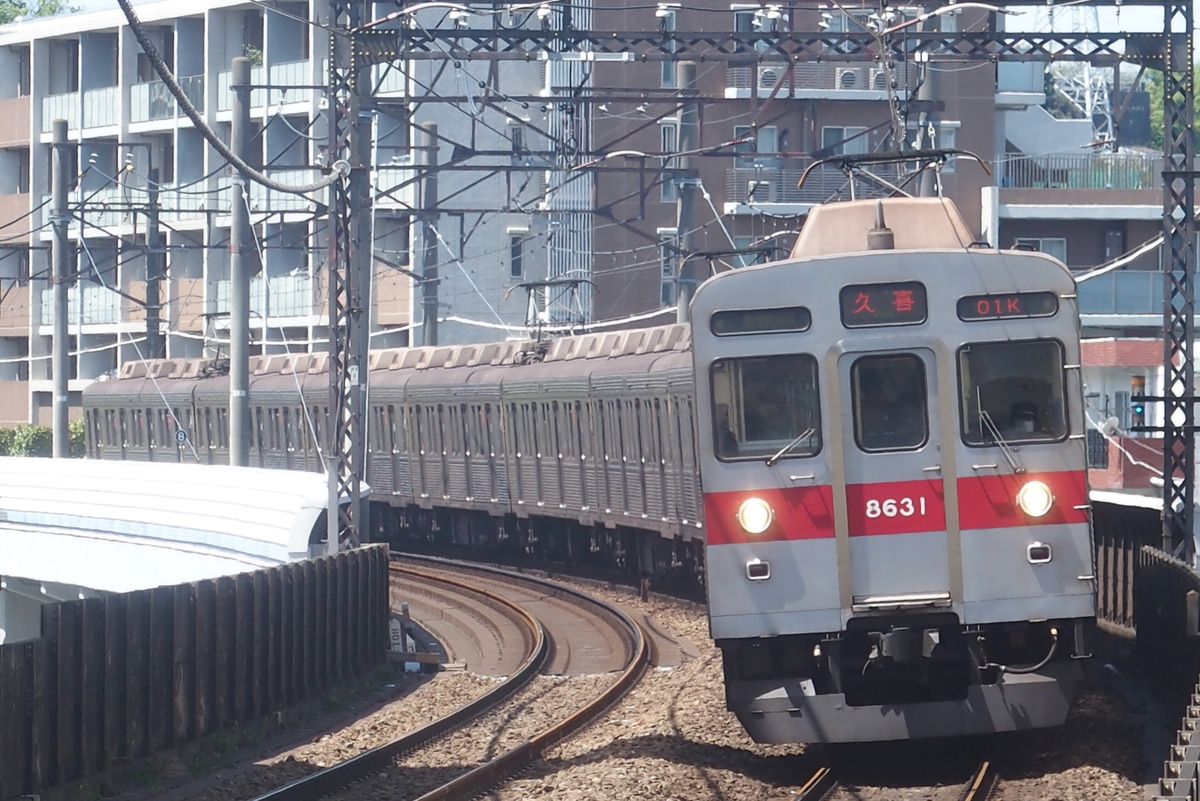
357, 45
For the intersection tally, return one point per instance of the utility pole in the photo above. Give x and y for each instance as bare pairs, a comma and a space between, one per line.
155, 346
239, 274
59, 357
350, 209
429, 258
687, 187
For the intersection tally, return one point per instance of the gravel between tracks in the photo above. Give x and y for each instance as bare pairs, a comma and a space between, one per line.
672, 738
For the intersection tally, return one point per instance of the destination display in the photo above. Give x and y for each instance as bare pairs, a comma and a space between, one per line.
868, 305
975, 308
787, 319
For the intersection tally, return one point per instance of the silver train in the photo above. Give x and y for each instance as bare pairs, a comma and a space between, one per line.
871, 453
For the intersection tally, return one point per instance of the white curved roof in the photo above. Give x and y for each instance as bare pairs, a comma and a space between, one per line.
121, 526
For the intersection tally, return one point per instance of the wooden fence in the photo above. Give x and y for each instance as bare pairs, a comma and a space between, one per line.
123, 677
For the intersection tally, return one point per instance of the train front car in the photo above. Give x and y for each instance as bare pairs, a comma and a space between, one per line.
894, 474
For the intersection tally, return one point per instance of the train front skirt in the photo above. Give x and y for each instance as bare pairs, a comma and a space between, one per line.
775, 711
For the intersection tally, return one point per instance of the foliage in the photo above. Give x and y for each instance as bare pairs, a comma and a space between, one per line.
254, 53
78, 438
11, 9
39, 440
33, 441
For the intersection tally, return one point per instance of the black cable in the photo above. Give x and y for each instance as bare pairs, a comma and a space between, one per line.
185, 104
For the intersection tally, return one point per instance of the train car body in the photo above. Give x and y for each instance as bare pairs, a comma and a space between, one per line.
843, 476
892, 457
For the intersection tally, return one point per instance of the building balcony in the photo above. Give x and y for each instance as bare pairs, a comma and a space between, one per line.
14, 224
14, 122
291, 73
1120, 171
281, 296
14, 310
258, 97
1076, 186
60, 107
1122, 292
102, 107
772, 182
104, 208
817, 81
268, 201
153, 101
95, 305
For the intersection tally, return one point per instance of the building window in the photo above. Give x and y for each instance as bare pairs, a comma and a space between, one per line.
845, 140
1055, 246
668, 144
668, 260
761, 148
516, 255
516, 138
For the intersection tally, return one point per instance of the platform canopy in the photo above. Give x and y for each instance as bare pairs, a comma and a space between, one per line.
123, 526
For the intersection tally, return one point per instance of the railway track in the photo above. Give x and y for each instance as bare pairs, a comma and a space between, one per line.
490, 607
825, 785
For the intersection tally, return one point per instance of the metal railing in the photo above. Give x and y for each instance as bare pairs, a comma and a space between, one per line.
1079, 171
60, 107
778, 184
101, 107
153, 101
258, 97
1122, 292
280, 296
100, 305
291, 73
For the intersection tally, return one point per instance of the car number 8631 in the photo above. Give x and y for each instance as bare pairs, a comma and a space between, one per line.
895, 507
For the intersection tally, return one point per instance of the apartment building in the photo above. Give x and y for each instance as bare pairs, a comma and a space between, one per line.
124, 127
517, 199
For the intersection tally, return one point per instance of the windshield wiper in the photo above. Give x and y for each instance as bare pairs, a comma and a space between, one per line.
1005, 448
803, 435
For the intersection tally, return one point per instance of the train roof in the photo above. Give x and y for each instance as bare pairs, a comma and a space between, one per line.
918, 223
606, 345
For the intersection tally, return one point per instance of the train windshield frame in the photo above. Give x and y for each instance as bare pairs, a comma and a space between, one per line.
1012, 391
890, 398
766, 406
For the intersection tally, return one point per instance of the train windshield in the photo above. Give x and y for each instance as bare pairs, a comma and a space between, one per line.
1012, 391
890, 401
766, 406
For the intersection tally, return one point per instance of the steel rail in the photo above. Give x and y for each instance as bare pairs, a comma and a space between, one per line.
336, 777
488, 775
982, 783
818, 785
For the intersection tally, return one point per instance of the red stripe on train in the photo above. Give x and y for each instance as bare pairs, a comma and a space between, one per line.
896, 507
991, 501
801, 513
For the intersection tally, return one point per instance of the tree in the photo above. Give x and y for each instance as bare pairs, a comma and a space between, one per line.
11, 9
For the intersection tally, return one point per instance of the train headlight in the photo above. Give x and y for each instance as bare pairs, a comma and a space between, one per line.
755, 515
1035, 499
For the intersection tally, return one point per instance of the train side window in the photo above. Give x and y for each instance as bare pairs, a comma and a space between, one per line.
1012, 391
765, 404
890, 402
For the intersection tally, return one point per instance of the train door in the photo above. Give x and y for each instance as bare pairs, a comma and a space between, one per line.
899, 551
